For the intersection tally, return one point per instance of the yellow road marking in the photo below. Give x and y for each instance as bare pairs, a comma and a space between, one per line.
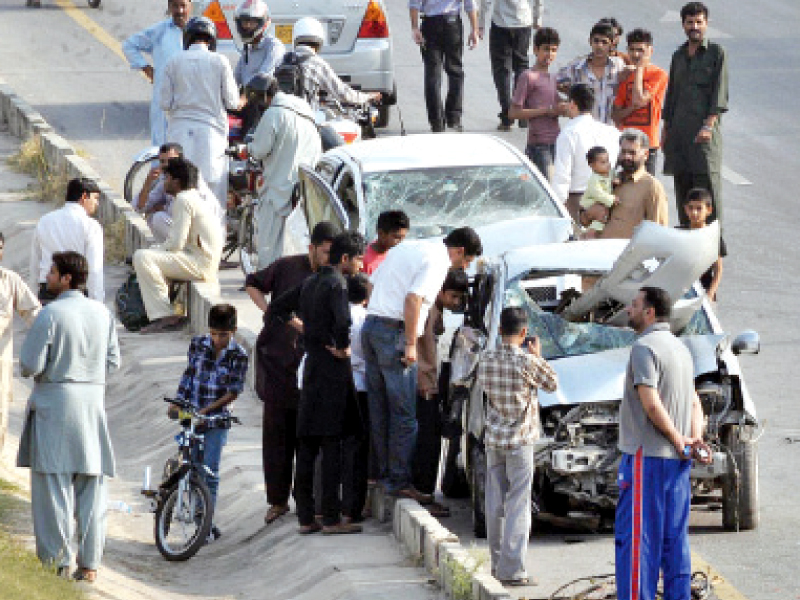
97, 32
721, 586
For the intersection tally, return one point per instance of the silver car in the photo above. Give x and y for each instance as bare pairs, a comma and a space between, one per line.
358, 44
575, 296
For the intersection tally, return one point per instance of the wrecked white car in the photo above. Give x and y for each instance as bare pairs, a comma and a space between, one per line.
575, 296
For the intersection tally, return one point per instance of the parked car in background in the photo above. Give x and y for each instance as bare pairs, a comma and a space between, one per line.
358, 44
442, 181
575, 296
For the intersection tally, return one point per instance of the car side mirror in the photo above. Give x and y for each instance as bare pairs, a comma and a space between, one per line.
747, 342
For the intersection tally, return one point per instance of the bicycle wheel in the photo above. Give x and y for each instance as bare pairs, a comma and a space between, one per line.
183, 520
248, 246
134, 180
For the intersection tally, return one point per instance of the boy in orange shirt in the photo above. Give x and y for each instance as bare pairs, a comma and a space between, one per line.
641, 95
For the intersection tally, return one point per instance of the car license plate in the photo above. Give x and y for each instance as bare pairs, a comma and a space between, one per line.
284, 33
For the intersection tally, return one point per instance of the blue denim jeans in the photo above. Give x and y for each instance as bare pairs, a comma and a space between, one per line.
214, 440
392, 391
543, 156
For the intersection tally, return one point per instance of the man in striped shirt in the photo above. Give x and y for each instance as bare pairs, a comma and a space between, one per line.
510, 377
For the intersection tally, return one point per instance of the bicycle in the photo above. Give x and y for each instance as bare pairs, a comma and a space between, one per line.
182, 502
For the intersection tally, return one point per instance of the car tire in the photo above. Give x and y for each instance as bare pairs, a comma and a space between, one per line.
383, 117
454, 479
478, 488
740, 498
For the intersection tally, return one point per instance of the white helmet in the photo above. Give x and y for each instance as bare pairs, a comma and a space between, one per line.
252, 17
308, 31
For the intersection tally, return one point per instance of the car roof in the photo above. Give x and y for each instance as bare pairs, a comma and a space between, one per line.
426, 151
589, 256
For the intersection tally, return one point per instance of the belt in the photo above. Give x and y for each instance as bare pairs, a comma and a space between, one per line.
387, 321
449, 17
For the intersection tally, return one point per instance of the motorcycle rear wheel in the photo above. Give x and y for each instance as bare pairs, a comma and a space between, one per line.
248, 243
181, 530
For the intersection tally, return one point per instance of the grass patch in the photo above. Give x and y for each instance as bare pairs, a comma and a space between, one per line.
22, 576
114, 246
49, 186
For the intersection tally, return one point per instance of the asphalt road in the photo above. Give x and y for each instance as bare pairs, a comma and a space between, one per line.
89, 95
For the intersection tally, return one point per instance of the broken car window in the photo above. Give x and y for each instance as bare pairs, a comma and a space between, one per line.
442, 199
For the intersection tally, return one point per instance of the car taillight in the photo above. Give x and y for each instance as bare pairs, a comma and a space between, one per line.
214, 12
374, 24
349, 137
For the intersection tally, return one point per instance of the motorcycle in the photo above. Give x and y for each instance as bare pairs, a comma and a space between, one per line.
182, 501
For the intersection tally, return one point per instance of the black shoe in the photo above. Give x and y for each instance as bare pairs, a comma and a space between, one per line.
213, 535
456, 127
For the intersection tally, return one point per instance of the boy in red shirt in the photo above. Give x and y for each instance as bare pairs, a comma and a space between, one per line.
392, 228
641, 96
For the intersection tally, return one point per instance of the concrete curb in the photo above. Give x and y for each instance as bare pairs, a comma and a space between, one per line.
422, 536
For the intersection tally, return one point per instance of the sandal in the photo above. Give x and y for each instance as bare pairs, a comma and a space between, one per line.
275, 512
309, 529
87, 575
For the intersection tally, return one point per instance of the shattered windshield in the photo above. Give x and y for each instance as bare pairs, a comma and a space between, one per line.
439, 200
560, 337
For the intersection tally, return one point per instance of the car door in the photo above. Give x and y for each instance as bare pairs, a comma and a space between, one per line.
319, 201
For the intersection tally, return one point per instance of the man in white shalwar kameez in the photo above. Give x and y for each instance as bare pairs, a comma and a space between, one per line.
161, 41
15, 297
71, 346
196, 90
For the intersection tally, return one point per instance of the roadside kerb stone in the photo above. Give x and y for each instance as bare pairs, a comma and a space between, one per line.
56, 149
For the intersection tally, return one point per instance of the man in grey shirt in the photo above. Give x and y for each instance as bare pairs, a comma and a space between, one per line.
660, 429
512, 22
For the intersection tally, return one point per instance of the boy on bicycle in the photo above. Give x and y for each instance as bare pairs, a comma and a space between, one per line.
214, 377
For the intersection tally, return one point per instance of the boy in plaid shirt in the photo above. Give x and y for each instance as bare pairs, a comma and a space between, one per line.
214, 377
510, 377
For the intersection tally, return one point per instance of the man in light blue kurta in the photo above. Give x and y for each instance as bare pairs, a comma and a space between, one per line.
71, 346
162, 41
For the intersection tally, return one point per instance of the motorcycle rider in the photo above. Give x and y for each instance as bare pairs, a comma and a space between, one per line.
308, 37
262, 52
196, 90
161, 41
285, 138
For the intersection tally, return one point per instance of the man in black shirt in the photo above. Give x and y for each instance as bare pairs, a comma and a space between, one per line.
327, 410
277, 359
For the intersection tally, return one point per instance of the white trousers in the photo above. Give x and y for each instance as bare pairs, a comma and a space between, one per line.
57, 499
154, 268
205, 147
271, 230
509, 476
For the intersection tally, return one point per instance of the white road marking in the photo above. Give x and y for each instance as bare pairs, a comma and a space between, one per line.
734, 177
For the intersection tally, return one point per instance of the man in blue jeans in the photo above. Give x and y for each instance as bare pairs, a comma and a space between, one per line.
214, 377
404, 287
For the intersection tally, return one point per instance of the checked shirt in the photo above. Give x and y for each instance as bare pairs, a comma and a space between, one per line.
206, 380
510, 377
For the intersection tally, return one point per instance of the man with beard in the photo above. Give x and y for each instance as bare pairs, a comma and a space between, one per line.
277, 358
640, 196
660, 430
697, 95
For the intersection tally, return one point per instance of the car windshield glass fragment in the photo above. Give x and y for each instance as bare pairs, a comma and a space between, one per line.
442, 199
560, 337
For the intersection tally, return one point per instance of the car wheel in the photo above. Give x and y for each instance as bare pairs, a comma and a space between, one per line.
383, 117
454, 480
478, 489
553, 502
740, 495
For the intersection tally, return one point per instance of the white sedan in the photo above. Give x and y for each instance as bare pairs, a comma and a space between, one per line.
441, 181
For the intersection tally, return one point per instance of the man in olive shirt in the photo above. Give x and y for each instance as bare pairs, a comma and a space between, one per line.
640, 196
697, 95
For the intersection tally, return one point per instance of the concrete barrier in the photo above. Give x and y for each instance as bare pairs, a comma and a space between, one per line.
422, 536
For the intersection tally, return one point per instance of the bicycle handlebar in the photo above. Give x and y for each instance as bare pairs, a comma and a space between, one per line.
193, 410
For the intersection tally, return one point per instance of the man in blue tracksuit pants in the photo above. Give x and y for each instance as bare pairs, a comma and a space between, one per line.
660, 417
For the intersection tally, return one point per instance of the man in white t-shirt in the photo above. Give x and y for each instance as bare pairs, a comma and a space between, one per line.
405, 286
